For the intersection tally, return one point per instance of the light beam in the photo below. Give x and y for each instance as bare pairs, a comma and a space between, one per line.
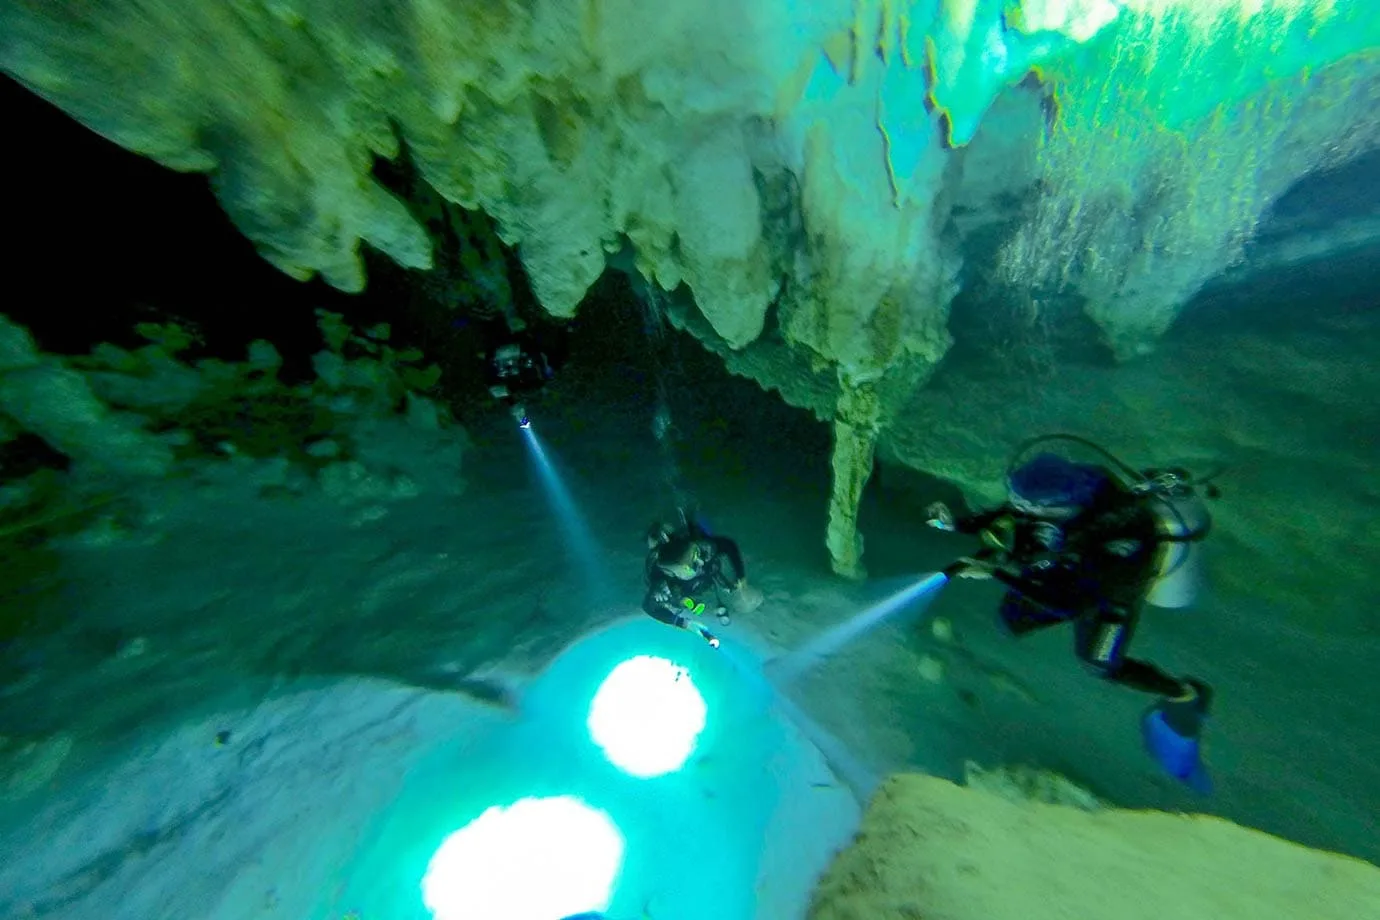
791, 665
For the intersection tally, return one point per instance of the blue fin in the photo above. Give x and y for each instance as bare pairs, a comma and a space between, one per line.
1176, 753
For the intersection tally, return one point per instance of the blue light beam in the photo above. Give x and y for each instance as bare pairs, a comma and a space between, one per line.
579, 540
792, 665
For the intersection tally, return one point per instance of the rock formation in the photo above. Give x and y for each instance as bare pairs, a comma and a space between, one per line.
814, 178
928, 848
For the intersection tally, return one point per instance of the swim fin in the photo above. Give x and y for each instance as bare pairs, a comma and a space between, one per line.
1171, 729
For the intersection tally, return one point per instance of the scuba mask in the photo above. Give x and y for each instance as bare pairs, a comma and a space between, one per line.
689, 565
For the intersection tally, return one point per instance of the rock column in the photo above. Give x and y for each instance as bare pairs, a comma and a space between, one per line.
856, 423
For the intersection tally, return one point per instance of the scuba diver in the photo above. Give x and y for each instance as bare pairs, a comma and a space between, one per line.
1091, 544
689, 570
517, 370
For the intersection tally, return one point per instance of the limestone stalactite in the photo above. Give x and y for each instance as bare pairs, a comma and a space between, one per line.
856, 424
812, 171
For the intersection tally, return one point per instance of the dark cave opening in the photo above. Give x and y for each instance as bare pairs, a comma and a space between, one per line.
173, 256
157, 248
167, 252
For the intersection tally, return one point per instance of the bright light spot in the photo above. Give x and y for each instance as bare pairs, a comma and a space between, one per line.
647, 716
537, 859
1080, 20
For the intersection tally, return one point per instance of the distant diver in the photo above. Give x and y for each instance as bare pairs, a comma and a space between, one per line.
517, 368
689, 571
1090, 544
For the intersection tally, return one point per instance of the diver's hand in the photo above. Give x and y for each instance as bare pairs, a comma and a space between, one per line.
973, 567
940, 517
702, 632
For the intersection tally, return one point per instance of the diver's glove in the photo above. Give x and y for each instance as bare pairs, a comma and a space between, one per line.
940, 517
1172, 728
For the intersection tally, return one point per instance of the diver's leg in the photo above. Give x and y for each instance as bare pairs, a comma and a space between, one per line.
1170, 726
1101, 638
1021, 616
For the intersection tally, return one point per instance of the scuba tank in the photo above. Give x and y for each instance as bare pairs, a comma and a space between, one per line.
1182, 520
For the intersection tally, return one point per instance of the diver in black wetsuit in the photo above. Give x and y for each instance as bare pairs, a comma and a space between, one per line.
689, 571
1078, 543
516, 370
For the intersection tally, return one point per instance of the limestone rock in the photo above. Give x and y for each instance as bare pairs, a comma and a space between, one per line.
578, 126
1020, 783
57, 404
1157, 188
814, 175
855, 439
931, 849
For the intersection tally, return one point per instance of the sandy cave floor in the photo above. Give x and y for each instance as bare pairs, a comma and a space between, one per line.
328, 801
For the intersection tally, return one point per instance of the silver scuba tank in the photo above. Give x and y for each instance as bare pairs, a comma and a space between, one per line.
1180, 515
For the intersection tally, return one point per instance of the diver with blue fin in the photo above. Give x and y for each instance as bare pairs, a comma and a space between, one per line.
1091, 544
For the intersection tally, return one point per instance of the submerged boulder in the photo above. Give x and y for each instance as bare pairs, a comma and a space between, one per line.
929, 848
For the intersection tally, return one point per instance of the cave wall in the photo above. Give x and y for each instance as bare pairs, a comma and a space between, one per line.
579, 126
817, 173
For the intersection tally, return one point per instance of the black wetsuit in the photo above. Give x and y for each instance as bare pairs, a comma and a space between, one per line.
1094, 570
674, 600
519, 375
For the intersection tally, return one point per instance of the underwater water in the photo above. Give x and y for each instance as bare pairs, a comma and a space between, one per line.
426, 689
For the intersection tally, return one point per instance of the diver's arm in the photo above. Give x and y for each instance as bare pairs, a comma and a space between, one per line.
1041, 592
656, 604
975, 523
661, 603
